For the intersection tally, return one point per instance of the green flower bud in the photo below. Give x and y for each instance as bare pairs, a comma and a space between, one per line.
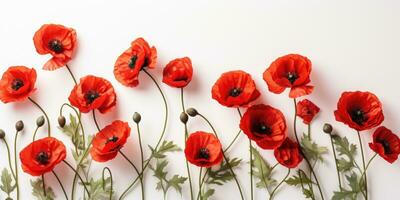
40, 121
192, 112
184, 117
327, 128
136, 117
61, 121
19, 126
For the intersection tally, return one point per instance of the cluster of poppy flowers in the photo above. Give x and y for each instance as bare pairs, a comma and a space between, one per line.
263, 124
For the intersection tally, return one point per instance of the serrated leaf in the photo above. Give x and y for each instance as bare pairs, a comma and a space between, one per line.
296, 180
311, 149
96, 190
344, 195
73, 131
262, 170
344, 148
207, 194
37, 190
6, 181
307, 193
176, 182
344, 165
223, 174
166, 147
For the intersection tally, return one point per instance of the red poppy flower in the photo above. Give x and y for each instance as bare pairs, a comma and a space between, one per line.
107, 143
307, 110
133, 60
57, 40
386, 144
290, 71
17, 83
265, 125
203, 149
359, 110
234, 89
288, 154
93, 93
178, 73
42, 156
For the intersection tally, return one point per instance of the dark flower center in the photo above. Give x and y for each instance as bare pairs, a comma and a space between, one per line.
358, 116
43, 158
262, 129
16, 84
386, 146
235, 92
204, 153
91, 96
182, 78
112, 139
56, 46
132, 62
292, 77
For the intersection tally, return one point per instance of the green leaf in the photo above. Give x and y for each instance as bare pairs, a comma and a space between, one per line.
166, 146
176, 182
6, 180
223, 174
37, 190
307, 193
73, 131
96, 190
296, 180
344, 148
207, 194
311, 149
353, 182
262, 170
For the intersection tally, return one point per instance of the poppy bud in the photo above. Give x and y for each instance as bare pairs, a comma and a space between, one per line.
19, 126
184, 117
327, 128
2, 134
192, 112
61, 121
9, 198
136, 117
40, 121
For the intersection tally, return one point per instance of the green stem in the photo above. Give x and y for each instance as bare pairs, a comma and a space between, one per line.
186, 136
44, 186
137, 171
161, 136
61, 185
34, 134
364, 166
77, 167
141, 156
225, 158
79, 115
283, 180
251, 169
95, 120
336, 164
104, 181
72, 75
16, 163
237, 134
45, 114
79, 176
201, 181
301, 150
9, 158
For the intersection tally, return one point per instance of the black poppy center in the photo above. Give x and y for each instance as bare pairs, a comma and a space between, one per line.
16, 84
235, 92
358, 116
261, 128
204, 153
43, 158
292, 77
112, 139
91, 96
132, 62
386, 146
56, 46
182, 78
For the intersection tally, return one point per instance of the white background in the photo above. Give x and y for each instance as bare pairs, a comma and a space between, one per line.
354, 45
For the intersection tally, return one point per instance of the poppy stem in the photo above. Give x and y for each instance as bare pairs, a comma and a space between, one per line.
95, 120
77, 168
61, 185
283, 180
186, 136
336, 164
72, 75
225, 158
365, 171
201, 181
237, 134
34, 134
45, 114
44, 186
79, 176
140, 175
301, 174
301, 149
9, 158
16, 163
79, 115
251, 169
141, 159
364, 167
104, 181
